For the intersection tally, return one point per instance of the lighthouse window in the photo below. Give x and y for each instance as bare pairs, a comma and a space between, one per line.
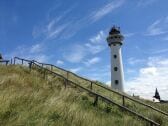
115, 68
115, 56
116, 82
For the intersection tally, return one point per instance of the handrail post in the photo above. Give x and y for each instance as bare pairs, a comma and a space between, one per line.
65, 83
11, 62
67, 76
14, 61
30, 65
22, 61
51, 67
123, 100
151, 124
96, 100
91, 85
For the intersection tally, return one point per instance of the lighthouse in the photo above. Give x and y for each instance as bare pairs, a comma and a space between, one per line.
115, 41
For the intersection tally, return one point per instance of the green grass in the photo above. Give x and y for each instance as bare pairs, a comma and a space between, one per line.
29, 100
118, 99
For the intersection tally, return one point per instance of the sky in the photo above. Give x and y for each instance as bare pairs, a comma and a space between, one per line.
72, 35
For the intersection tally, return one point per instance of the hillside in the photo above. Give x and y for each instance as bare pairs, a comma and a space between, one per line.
28, 99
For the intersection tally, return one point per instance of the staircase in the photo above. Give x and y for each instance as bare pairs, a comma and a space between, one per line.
96, 90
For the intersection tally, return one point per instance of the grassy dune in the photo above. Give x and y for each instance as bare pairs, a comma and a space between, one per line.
27, 99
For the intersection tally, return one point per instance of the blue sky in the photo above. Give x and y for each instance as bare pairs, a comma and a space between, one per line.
72, 34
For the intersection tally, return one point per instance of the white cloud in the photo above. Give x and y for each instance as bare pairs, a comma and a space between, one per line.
75, 70
75, 54
50, 25
157, 61
108, 8
63, 26
146, 2
158, 27
127, 35
101, 73
56, 31
130, 71
108, 83
29, 53
78, 52
148, 71
54, 27
151, 51
134, 61
59, 62
39, 57
97, 43
154, 75
98, 38
160, 51
92, 61
94, 49
36, 48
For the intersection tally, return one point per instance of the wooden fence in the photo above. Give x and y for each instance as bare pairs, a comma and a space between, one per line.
124, 97
6, 62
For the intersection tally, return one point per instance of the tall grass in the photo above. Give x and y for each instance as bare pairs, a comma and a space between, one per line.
28, 99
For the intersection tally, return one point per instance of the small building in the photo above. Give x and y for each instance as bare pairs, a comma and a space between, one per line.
157, 97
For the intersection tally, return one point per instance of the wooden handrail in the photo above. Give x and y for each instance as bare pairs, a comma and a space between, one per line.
102, 86
92, 82
132, 99
104, 98
4, 61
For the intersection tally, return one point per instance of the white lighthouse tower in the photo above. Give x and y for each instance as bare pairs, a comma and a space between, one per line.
114, 40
